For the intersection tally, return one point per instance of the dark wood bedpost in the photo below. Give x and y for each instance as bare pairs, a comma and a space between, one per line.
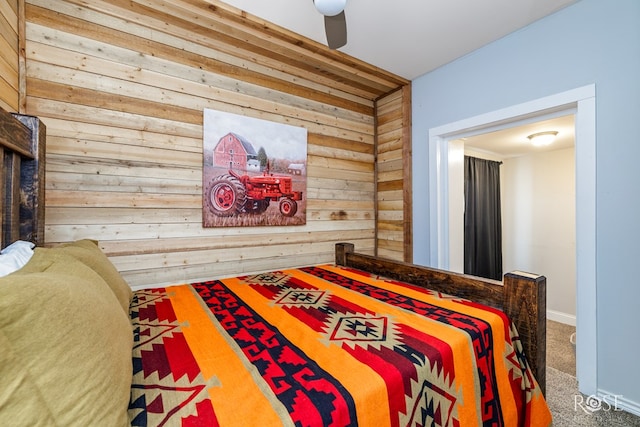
22, 148
525, 302
342, 249
32, 182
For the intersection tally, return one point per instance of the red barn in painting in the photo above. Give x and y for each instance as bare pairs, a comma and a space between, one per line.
234, 152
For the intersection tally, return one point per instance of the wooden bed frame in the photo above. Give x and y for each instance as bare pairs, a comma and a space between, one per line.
22, 180
522, 296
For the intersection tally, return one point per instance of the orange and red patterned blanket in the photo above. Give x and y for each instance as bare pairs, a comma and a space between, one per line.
325, 346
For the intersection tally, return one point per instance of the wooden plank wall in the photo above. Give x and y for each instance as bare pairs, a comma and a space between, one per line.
9, 64
393, 176
121, 86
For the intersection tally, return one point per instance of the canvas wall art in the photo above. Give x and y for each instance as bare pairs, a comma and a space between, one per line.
254, 172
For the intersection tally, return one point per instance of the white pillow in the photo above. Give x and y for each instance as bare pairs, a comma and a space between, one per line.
15, 256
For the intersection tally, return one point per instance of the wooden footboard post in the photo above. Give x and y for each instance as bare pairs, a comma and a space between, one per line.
342, 249
525, 302
32, 182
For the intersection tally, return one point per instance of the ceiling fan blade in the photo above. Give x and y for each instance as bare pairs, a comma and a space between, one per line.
335, 28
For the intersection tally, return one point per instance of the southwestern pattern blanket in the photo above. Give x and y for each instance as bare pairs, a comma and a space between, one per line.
325, 346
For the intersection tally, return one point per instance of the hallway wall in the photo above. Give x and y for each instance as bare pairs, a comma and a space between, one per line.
539, 223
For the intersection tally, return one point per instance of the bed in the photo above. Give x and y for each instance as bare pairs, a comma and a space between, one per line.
362, 341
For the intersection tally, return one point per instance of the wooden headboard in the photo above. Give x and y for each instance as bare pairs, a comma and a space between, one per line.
22, 140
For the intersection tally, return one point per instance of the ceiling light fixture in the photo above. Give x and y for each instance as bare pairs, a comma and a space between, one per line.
542, 138
330, 7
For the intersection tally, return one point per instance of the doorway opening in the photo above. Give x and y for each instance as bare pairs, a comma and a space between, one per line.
445, 157
537, 192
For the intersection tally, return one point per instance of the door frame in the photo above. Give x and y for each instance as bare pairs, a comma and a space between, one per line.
445, 163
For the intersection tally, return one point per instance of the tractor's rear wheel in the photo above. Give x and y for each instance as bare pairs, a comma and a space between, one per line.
288, 207
225, 195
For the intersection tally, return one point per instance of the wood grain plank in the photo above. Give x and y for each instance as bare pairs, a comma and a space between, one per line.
122, 85
211, 52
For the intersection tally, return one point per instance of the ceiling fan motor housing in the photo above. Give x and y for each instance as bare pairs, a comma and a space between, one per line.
330, 7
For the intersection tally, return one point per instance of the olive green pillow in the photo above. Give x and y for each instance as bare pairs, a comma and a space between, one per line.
20, 400
88, 252
66, 346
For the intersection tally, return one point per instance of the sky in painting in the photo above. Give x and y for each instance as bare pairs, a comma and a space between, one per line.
279, 140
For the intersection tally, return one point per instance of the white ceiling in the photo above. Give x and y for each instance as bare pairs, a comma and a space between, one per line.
513, 141
409, 37
413, 37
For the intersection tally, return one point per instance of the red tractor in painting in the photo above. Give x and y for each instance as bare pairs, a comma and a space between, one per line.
231, 194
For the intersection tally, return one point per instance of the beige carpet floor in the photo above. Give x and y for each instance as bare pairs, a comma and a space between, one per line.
568, 406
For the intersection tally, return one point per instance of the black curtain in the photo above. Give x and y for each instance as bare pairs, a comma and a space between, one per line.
482, 218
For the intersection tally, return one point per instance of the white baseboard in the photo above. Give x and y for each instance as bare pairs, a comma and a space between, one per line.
557, 316
618, 402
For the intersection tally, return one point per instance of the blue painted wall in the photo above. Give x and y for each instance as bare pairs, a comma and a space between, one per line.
591, 42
